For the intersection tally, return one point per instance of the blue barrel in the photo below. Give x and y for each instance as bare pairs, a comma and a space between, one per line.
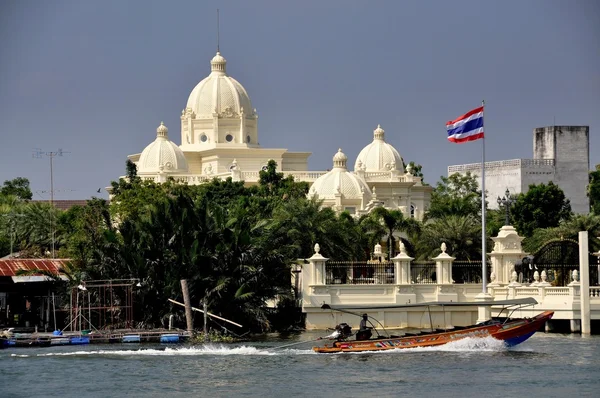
169, 338
80, 340
131, 338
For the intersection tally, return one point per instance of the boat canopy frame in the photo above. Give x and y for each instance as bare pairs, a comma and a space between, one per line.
506, 304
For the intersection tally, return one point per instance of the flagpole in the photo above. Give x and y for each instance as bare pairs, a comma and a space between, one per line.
483, 234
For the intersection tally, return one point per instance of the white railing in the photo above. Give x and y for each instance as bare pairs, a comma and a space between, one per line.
513, 163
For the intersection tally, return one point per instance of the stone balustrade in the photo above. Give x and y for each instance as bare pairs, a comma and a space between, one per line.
392, 283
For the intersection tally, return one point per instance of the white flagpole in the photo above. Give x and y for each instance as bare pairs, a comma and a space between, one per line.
483, 234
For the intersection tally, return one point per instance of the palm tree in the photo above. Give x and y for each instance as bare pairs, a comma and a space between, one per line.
567, 229
462, 235
394, 221
37, 227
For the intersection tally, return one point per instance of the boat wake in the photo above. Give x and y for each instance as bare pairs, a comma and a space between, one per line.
214, 350
464, 345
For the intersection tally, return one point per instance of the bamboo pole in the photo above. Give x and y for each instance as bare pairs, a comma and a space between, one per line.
208, 313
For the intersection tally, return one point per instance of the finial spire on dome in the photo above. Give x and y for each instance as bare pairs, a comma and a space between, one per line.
339, 159
162, 131
218, 31
217, 64
378, 133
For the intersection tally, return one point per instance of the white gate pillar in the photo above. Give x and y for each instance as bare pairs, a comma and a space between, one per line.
402, 266
317, 265
507, 252
443, 267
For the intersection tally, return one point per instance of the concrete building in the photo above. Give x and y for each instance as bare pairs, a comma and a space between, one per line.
219, 139
560, 155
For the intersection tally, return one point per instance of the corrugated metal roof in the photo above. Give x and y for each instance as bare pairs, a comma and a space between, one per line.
10, 267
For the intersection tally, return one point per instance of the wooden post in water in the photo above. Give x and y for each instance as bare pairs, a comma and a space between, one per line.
188, 306
205, 320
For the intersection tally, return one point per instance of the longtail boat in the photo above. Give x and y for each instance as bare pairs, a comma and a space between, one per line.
511, 331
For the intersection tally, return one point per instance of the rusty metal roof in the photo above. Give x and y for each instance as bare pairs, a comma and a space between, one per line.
12, 266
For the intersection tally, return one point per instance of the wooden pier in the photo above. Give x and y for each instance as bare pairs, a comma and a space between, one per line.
128, 336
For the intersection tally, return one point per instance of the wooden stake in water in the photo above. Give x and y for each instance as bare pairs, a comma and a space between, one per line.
205, 320
188, 306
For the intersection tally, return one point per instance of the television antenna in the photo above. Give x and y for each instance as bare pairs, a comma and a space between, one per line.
38, 153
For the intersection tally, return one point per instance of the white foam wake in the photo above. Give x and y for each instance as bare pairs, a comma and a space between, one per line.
464, 345
208, 349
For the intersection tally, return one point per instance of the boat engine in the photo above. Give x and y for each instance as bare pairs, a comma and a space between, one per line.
344, 331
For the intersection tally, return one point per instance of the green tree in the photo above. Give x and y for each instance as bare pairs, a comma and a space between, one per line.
462, 235
457, 195
594, 190
394, 221
273, 183
415, 169
18, 186
300, 223
37, 229
543, 206
567, 229
10, 213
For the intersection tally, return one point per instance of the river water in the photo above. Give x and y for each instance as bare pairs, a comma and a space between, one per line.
547, 365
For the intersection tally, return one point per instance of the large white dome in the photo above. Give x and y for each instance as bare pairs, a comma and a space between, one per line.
219, 93
340, 180
379, 155
162, 155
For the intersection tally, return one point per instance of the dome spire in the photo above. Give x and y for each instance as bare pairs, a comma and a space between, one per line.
162, 131
218, 31
339, 159
217, 64
378, 133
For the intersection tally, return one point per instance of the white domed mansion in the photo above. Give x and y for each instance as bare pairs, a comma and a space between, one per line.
219, 138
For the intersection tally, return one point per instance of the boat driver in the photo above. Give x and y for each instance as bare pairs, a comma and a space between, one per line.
363, 322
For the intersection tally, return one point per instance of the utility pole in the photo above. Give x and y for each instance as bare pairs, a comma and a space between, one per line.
38, 153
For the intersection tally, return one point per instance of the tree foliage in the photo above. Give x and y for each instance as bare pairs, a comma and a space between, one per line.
394, 222
543, 206
18, 187
594, 190
458, 195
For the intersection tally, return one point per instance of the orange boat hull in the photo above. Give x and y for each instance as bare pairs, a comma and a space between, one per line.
512, 333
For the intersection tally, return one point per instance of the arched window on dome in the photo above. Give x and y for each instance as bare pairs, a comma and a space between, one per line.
248, 139
413, 210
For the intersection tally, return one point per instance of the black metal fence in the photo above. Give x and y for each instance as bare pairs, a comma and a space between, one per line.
375, 272
469, 271
423, 272
558, 274
359, 272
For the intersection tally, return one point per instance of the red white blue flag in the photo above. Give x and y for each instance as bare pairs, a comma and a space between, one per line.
468, 127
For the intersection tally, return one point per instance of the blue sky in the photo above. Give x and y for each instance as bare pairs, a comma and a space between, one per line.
96, 78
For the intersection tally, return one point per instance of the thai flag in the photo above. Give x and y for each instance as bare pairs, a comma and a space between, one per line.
468, 127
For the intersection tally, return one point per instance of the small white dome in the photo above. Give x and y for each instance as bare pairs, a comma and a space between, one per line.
219, 93
379, 155
339, 159
340, 180
162, 155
